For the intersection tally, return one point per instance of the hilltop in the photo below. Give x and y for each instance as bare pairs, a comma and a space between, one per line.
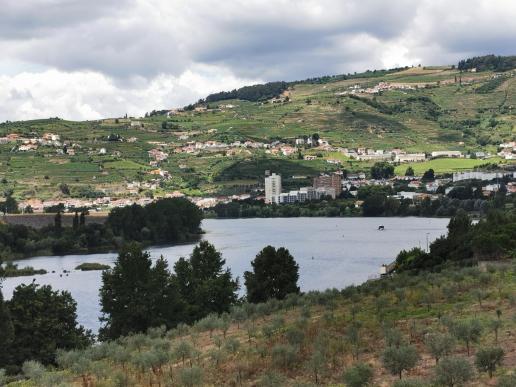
222, 145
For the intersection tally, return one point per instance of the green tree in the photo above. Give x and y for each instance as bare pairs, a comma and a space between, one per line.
136, 295
487, 359
204, 284
467, 331
428, 175
360, 375
453, 372
382, 170
275, 275
439, 345
399, 359
409, 171
43, 321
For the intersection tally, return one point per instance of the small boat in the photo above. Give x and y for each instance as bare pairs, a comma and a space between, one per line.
381, 227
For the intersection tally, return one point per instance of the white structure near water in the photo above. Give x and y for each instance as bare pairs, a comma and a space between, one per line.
272, 188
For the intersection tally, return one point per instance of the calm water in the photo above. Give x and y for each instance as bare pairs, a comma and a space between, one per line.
331, 252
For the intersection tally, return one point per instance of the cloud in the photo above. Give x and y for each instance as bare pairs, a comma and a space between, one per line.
128, 46
92, 95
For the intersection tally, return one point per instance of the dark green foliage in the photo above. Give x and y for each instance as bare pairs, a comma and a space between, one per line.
488, 62
488, 359
6, 329
360, 375
275, 275
428, 175
203, 283
164, 221
409, 171
44, 321
382, 170
136, 295
88, 266
250, 93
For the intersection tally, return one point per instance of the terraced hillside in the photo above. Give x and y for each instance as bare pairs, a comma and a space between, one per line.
416, 109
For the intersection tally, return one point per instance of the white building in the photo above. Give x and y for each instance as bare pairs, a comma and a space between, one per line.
455, 154
272, 188
479, 175
410, 157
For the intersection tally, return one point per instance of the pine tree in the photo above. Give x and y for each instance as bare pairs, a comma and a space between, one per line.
275, 275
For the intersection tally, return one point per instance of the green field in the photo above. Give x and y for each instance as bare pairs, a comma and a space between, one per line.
444, 165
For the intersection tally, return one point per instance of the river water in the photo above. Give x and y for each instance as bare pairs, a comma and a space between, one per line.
331, 252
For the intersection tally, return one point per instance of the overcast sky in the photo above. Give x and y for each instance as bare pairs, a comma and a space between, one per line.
88, 59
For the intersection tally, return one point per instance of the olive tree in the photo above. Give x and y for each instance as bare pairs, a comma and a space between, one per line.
399, 359
453, 372
439, 345
467, 331
487, 359
358, 376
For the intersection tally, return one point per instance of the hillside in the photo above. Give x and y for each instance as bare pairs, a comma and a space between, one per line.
316, 338
203, 151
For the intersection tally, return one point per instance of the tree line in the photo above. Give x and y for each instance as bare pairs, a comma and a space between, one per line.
488, 62
164, 221
466, 243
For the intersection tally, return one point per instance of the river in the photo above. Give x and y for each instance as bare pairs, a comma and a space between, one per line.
331, 252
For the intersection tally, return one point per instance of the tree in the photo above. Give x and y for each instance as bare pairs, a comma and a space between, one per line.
43, 321
428, 175
58, 222
398, 359
439, 345
382, 170
75, 221
453, 371
136, 295
275, 275
409, 171
10, 205
358, 376
467, 331
204, 284
487, 359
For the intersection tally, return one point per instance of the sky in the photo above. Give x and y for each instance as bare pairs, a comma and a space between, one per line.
92, 59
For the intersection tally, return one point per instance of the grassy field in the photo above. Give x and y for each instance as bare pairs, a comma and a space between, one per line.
440, 114
444, 165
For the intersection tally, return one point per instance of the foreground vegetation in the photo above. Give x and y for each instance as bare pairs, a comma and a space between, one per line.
444, 318
447, 329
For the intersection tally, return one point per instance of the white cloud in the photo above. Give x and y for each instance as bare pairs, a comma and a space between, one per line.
84, 95
107, 57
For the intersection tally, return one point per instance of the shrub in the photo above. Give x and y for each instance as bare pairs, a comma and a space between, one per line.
191, 376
